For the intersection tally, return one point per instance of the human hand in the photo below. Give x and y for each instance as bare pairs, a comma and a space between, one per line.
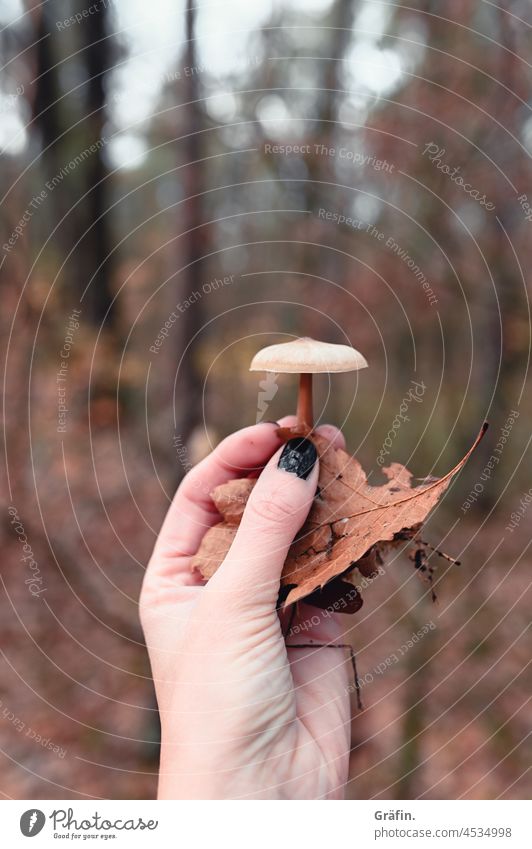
243, 715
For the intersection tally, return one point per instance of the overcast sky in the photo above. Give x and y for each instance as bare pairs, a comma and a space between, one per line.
154, 43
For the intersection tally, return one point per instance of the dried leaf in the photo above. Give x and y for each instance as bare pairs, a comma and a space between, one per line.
350, 522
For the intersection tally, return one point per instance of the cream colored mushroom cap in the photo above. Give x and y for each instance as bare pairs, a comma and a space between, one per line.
308, 356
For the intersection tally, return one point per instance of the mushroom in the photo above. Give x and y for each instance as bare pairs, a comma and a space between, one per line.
306, 357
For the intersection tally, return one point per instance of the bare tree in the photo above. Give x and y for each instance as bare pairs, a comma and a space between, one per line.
190, 378
97, 247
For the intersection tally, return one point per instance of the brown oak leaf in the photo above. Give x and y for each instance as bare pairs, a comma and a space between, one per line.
350, 522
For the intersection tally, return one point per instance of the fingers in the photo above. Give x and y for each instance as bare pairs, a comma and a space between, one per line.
192, 511
334, 437
276, 509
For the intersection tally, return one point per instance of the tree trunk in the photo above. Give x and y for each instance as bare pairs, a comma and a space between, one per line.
190, 378
97, 241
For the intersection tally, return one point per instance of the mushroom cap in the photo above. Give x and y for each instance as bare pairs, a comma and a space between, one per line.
308, 356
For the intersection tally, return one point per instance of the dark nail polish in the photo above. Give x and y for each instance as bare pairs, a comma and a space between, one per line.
298, 457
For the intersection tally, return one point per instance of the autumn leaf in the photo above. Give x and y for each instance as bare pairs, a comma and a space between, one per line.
350, 522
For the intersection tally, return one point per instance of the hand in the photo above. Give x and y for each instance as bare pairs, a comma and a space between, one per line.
242, 715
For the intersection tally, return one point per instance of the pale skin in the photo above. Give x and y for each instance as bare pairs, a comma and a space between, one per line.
242, 714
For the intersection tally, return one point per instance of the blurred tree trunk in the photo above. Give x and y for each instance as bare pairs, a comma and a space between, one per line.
190, 377
510, 291
328, 96
47, 108
501, 297
417, 688
97, 242
321, 166
56, 114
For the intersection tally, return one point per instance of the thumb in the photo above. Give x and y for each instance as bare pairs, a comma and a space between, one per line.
277, 507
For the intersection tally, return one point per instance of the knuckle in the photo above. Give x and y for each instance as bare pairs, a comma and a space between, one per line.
274, 509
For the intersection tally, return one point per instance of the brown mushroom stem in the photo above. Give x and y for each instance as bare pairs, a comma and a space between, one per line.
304, 400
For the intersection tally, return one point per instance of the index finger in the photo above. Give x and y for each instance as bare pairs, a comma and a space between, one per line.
192, 511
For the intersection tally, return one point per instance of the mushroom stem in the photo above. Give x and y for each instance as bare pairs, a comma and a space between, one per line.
304, 400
